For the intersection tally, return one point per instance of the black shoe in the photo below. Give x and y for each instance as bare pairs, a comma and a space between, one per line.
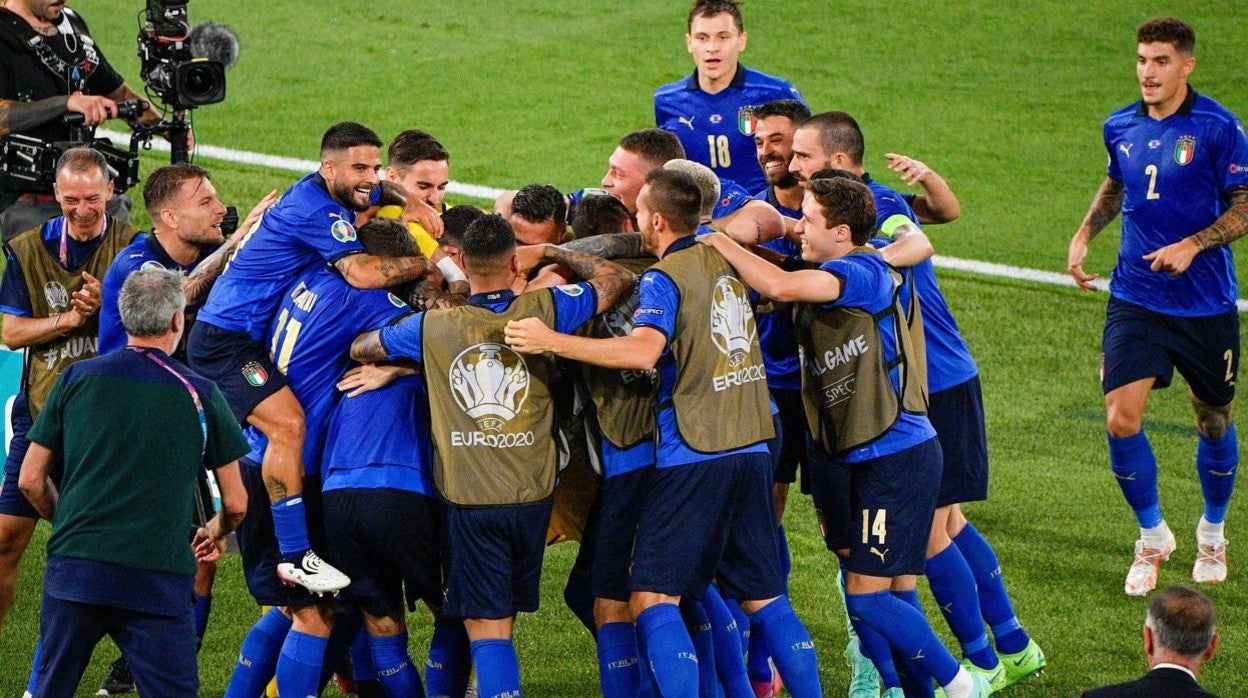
118, 681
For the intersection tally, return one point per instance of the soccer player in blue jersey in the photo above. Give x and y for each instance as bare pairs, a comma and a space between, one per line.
309, 342
378, 479
964, 577
1178, 172
705, 512
853, 281
491, 416
312, 225
710, 110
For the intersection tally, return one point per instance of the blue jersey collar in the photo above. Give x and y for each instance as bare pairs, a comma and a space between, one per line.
1184, 109
683, 243
489, 299
738, 79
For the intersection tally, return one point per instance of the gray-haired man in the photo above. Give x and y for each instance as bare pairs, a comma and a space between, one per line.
118, 560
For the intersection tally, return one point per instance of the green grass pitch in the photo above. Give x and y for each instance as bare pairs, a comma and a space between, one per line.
1005, 100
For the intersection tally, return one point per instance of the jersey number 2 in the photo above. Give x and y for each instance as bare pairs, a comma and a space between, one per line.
1151, 171
718, 147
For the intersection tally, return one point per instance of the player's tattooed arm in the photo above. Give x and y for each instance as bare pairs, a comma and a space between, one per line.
610, 280
611, 246
1229, 227
199, 282
1232, 225
367, 348
1105, 205
276, 488
363, 270
16, 116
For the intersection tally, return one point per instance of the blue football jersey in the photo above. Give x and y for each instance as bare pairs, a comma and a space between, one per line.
718, 130
867, 286
380, 439
309, 342
307, 228
1175, 175
144, 253
769, 195
949, 361
775, 332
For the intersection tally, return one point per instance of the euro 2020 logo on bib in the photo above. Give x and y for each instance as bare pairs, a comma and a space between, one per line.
619, 320
56, 295
732, 320
490, 383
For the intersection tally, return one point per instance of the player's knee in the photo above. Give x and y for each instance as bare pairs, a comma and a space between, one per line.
608, 611
1212, 422
383, 626
287, 430
14, 538
1122, 423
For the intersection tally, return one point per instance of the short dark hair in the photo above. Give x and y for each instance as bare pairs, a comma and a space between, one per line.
846, 202
790, 109
600, 214
391, 194
838, 133
675, 195
1182, 620
488, 240
455, 220
345, 135
835, 173
412, 146
387, 237
83, 159
710, 8
1170, 30
654, 145
164, 182
538, 203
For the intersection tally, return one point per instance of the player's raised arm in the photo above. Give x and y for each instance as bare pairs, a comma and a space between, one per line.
1105, 206
937, 203
364, 270
910, 246
610, 280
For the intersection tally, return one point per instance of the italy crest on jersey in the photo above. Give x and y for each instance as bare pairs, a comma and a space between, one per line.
746, 120
1185, 149
255, 374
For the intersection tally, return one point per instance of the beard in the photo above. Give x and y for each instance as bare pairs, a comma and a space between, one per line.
346, 196
788, 180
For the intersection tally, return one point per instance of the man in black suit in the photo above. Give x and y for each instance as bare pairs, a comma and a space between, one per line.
1178, 636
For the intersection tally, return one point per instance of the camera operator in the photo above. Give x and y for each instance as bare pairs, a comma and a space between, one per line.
49, 67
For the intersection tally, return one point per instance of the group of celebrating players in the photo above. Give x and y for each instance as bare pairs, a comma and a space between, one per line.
432, 395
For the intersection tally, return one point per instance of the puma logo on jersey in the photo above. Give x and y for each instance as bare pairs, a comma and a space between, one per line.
876, 551
1126, 148
687, 120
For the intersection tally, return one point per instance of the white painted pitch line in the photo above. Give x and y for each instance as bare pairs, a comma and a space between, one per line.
478, 191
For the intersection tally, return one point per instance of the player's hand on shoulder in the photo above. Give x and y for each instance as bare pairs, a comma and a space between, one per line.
253, 216
366, 377
1174, 258
417, 211
529, 336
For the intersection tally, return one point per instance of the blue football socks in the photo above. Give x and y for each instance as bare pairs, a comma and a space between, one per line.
729, 664
449, 666
1216, 463
953, 587
291, 526
257, 659
393, 667
916, 681
670, 650
790, 647
1135, 467
299, 664
33, 681
498, 668
618, 667
203, 608
699, 626
875, 647
994, 600
906, 629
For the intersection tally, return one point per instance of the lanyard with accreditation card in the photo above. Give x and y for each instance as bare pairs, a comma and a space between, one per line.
199, 404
